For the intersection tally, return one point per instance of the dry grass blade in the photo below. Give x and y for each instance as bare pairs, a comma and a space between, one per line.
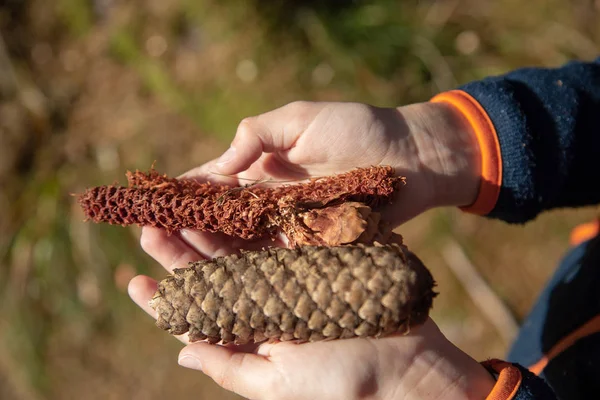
480, 292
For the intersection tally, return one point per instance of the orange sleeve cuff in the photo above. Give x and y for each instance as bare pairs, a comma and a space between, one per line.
489, 146
584, 232
508, 382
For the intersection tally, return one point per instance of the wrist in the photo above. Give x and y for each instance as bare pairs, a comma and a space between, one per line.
436, 369
473, 381
447, 372
448, 151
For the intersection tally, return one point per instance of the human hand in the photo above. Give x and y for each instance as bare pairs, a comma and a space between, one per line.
420, 365
429, 143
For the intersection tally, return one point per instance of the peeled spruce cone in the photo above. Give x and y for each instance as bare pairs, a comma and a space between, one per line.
309, 293
249, 212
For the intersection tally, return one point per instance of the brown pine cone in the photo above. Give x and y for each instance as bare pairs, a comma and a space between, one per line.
310, 293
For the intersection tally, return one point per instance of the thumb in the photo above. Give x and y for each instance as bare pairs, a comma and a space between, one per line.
277, 130
249, 375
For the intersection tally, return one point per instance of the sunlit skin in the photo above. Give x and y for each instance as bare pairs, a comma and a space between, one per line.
428, 143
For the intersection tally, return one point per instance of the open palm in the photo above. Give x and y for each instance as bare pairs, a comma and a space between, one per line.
421, 365
303, 140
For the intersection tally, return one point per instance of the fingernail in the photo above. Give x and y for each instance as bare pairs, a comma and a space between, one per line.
228, 156
185, 233
190, 362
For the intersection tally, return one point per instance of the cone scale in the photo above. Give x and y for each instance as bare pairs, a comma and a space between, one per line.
309, 293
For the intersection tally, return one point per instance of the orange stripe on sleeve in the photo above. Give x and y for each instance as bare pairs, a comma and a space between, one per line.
589, 328
491, 158
584, 232
509, 380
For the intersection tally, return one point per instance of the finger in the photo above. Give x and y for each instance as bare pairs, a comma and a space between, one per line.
141, 289
211, 245
277, 130
169, 250
267, 167
209, 172
246, 374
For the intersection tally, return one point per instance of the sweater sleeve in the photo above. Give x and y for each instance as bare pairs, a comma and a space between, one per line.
547, 123
513, 382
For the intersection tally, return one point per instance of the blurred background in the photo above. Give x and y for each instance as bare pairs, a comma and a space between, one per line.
91, 88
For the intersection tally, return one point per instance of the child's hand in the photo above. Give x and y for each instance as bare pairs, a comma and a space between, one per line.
421, 365
428, 143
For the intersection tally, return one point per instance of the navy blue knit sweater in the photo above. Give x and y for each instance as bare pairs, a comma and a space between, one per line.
548, 126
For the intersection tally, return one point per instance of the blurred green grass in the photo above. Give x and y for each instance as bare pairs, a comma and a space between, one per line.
90, 88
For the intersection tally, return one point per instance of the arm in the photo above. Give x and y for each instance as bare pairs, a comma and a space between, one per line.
547, 126
438, 149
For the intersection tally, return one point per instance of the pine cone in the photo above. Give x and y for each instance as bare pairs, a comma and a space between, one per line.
248, 212
310, 293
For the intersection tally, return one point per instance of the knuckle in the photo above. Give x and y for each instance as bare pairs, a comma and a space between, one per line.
298, 105
146, 242
360, 108
246, 124
246, 127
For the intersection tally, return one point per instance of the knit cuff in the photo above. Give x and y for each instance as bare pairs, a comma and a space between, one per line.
487, 139
584, 232
516, 383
